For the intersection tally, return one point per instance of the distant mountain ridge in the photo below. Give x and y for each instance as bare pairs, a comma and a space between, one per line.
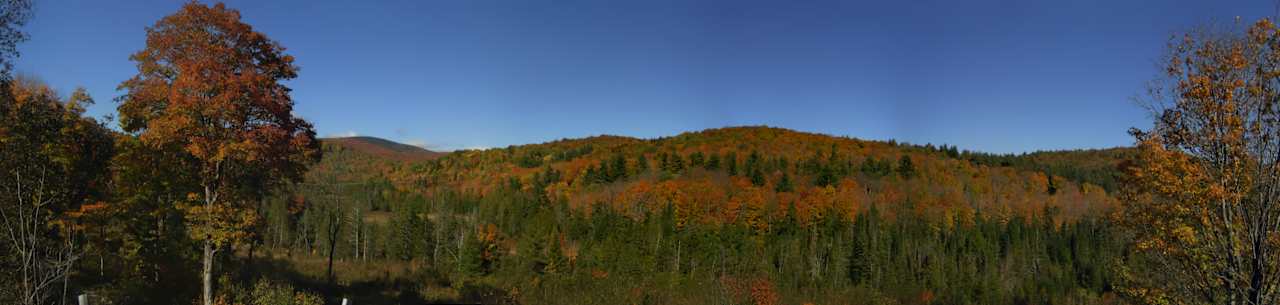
384, 148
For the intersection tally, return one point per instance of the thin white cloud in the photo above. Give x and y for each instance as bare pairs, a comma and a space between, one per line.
439, 147
419, 143
347, 134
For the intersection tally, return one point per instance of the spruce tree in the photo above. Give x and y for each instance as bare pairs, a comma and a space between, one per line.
731, 163
757, 177
619, 166
906, 169
642, 164
784, 183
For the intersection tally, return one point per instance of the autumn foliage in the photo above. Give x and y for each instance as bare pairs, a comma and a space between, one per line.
733, 175
1200, 196
212, 166
210, 86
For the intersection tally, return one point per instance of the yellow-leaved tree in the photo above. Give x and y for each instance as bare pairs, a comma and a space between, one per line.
1203, 196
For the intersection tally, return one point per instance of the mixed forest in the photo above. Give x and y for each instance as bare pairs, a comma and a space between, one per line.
204, 188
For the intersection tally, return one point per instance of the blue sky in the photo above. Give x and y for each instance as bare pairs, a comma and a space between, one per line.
997, 76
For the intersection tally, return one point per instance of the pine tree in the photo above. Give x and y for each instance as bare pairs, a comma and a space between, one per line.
826, 176
619, 166
757, 177
784, 183
663, 162
731, 163
677, 164
604, 172
859, 267
642, 164
753, 161
872, 167
906, 168
591, 176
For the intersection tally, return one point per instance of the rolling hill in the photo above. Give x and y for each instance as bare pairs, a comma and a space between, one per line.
384, 148
722, 175
718, 207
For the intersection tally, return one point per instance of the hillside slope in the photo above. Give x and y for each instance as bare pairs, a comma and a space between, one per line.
751, 173
384, 148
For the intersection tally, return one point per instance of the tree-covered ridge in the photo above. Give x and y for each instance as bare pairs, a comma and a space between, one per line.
727, 174
1096, 166
383, 148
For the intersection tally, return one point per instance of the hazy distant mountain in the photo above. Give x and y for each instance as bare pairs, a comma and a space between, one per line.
384, 148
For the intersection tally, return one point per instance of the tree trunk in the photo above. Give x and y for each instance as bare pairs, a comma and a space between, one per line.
435, 243
334, 229
333, 243
206, 274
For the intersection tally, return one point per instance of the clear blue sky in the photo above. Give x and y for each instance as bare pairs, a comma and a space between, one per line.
998, 76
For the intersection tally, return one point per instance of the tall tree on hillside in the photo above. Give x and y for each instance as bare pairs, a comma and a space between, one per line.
731, 163
1202, 194
784, 184
757, 177
713, 163
642, 164
619, 165
210, 84
906, 168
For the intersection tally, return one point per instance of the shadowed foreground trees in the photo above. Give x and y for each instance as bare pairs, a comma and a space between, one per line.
13, 15
1202, 195
52, 161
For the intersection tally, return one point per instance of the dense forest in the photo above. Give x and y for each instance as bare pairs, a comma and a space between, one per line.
837, 227
211, 191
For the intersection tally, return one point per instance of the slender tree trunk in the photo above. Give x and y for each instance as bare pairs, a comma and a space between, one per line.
63, 300
334, 229
155, 266
333, 243
435, 247
252, 245
677, 256
206, 274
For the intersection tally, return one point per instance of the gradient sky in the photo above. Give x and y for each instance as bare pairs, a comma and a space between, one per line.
997, 76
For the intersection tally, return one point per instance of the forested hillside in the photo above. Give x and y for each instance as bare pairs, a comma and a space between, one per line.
1096, 166
723, 175
752, 214
383, 148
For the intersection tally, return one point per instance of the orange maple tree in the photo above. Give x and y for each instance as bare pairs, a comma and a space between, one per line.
208, 85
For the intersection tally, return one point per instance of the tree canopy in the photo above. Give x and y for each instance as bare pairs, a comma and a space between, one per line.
1200, 195
210, 86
